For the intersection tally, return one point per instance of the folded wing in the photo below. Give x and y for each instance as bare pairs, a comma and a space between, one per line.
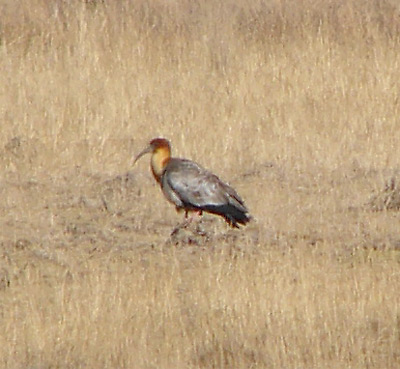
191, 187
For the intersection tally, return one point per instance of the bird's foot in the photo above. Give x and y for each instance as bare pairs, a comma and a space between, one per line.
180, 226
189, 220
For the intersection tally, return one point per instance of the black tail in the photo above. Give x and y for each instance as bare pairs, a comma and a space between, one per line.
231, 213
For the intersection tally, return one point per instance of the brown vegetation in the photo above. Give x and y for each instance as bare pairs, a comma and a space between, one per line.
295, 103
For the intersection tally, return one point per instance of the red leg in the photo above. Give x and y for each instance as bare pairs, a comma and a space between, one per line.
195, 215
188, 220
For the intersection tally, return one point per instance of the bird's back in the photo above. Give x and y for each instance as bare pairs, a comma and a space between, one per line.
190, 186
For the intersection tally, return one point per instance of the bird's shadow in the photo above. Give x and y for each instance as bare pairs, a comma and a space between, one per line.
193, 233
206, 231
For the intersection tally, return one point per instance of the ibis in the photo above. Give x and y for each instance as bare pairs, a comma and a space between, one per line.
190, 187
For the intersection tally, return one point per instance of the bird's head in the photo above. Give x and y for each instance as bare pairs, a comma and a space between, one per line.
156, 145
160, 150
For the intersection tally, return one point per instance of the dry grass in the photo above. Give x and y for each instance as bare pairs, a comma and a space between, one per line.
295, 103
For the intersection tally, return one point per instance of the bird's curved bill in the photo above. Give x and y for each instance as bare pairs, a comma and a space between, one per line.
147, 150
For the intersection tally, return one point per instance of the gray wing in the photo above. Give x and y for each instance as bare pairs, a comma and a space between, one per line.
186, 183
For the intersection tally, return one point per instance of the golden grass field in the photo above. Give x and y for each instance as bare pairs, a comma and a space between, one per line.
294, 103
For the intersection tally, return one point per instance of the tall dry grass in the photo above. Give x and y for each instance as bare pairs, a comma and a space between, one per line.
296, 103
221, 309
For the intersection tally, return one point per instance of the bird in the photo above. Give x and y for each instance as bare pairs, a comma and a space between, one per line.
190, 187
